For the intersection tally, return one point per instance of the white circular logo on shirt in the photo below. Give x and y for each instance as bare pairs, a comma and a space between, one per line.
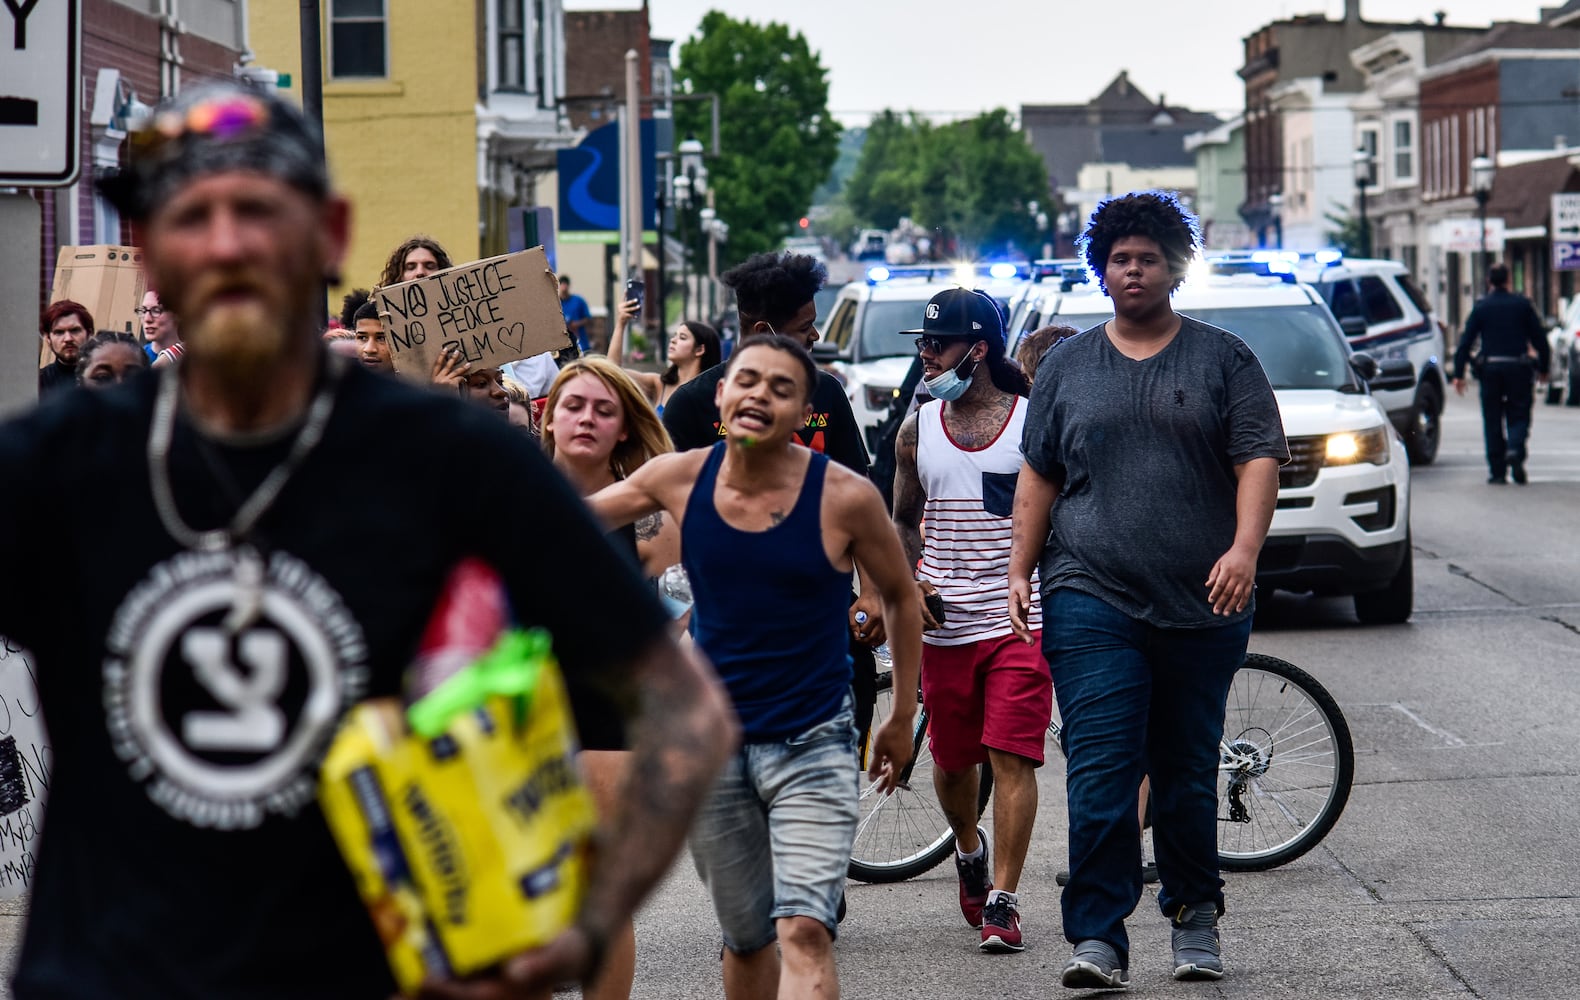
226, 726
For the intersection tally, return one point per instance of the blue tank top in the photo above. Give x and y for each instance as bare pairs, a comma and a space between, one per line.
770, 611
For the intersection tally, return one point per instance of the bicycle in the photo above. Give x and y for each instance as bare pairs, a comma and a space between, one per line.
1286, 763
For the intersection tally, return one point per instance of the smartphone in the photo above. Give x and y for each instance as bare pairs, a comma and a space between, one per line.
633, 291
935, 607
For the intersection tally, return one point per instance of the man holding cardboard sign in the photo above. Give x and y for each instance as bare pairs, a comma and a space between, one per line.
489, 312
201, 667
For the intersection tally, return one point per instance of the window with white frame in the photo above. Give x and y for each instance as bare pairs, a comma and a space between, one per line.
358, 39
1403, 151
512, 42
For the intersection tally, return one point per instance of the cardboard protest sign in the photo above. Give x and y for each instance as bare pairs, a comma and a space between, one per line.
25, 765
108, 280
495, 311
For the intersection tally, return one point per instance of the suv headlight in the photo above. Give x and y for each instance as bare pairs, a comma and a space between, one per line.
880, 396
1355, 447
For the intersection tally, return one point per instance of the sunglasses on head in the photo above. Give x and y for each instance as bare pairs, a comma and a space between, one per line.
933, 344
221, 117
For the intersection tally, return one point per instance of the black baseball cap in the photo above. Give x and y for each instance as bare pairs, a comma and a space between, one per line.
213, 128
963, 313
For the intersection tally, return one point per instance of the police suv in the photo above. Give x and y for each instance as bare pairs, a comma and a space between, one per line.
1342, 522
1385, 315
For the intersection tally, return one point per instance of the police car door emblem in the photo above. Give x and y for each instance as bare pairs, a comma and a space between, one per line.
226, 726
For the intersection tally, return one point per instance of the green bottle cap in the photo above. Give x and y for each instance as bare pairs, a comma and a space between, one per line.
509, 669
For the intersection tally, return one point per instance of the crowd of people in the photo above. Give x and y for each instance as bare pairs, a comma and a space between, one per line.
1080, 523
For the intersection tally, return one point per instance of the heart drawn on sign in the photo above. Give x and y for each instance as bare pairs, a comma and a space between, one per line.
513, 336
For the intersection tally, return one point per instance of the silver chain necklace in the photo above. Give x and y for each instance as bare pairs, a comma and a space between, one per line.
232, 539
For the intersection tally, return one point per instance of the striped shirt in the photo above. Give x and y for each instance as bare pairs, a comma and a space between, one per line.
965, 551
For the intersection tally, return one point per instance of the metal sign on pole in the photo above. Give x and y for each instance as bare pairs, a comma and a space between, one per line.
1566, 232
40, 92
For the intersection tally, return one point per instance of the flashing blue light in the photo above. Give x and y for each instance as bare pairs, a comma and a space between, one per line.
1328, 257
1003, 271
1280, 265
1263, 257
879, 273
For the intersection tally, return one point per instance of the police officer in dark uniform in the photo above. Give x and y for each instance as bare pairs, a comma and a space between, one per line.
1505, 324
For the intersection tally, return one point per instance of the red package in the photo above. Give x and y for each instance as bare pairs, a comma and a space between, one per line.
466, 621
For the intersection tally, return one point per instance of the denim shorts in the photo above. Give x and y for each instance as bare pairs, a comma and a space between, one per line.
773, 838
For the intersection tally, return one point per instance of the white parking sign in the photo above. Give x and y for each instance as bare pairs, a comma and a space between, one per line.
40, 91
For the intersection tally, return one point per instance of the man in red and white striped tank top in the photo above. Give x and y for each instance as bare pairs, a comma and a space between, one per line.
987, 692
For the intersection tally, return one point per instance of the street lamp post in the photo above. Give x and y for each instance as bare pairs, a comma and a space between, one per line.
682, 185
696, 175
1275, 206
1363, 179
1482, 171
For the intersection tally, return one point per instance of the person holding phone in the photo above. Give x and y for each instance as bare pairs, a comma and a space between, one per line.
693, 348
987, 692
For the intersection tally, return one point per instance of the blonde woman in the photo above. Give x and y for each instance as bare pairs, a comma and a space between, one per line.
598, 428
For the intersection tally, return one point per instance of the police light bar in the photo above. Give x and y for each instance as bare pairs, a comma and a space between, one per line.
961, 272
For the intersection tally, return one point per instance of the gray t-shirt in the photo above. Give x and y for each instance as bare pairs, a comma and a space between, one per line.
1145, 452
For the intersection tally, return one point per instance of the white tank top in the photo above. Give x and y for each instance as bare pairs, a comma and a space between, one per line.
966, 526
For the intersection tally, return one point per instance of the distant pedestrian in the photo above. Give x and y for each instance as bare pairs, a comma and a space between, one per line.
986, 690
418, 257
1506, 326
65, 327
110, 358
691, 349
1035, 344
373, 349
1152, 450
160, 332
577, 315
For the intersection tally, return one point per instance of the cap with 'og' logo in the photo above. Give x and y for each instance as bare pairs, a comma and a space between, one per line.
962, 312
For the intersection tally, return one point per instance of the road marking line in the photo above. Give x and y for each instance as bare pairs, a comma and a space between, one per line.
1442, 734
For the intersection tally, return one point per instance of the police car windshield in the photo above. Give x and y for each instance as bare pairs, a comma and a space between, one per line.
1300, 347
881, 325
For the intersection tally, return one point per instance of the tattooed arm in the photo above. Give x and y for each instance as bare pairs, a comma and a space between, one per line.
909, 498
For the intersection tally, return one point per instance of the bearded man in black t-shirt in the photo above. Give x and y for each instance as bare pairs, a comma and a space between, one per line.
199, 668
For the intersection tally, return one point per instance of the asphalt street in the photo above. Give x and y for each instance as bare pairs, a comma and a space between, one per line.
1451, 871
1449, 874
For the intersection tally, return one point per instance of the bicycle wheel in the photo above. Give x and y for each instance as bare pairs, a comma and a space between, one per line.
1285, 769
903, 834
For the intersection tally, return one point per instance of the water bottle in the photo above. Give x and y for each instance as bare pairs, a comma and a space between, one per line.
881, 653
674, 589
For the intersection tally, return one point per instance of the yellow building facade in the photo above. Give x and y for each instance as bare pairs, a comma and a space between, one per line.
400, 119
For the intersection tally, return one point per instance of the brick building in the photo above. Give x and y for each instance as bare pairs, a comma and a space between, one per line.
134, 52
596, 42
1509, 95
1315, 50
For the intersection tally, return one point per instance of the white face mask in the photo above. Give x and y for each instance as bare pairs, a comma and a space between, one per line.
948, 385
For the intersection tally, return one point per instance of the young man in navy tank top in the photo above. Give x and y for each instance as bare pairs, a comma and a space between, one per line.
987, 691
770, 533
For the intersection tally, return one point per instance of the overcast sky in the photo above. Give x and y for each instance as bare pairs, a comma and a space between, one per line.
963, 56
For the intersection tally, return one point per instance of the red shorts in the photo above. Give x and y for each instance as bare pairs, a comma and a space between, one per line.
996, 693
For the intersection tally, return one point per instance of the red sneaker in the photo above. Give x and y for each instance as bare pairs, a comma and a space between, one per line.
975, 882
1001, 926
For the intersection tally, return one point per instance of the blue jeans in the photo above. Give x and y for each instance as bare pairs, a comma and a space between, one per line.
1138, 700
773, 838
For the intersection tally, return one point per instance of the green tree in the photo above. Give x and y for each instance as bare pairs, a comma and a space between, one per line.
972, 181
1346, 233
777, 138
